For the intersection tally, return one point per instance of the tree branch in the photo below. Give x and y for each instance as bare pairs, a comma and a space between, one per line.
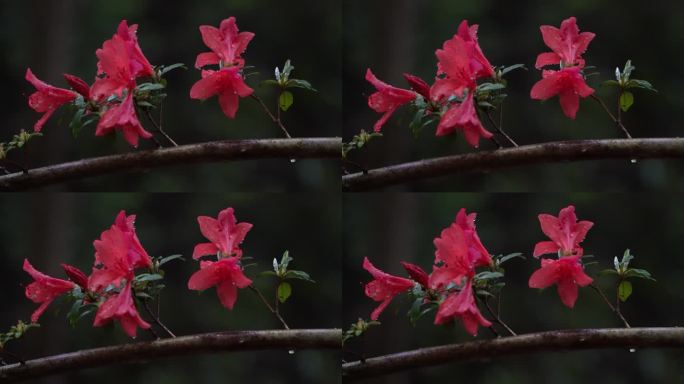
184, 345
514, 345
561, 151
216, 151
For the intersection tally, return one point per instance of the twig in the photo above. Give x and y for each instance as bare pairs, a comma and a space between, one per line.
615, 120
183, 345
496, 317
276, 120
510, 157
158, 127
613, 308
214, 151
579, 339
499, 127
268, 305
155, 318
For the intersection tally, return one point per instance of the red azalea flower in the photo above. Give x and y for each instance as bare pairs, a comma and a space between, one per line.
46, 99
76, 275
137, 256
226, 43
117, 254
452, 259
226, 274
44, 289
225, 235
568, 84
122, 117
565, 232
227, 83
79, 85
417, 273
122, 308
114, 61
383, 287
566, 272
387, 99
567, 44
462, 305
419, 85
479, 64
463, 116
477, 253
138, 63
453, 62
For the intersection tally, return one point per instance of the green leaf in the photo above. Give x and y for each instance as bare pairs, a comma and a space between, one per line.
624, 290
298, 83
166, 69
626, 101
643, 84
639, 273
269, 82
488, 275
170, 258
416, 125
148, 277
287, 70
149, 87
284, 291
267, 273
285, 261
608, 272
301, 275
504, 259
146, 104
610, 83
513, 68
76, 124
285, 100
488, 87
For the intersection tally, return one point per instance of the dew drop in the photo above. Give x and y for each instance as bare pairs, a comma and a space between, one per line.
632, 350
633, 161
291, 352
293, 161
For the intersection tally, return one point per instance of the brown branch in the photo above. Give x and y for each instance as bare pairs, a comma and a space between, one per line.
215, 151
579, 339
560, 151
185, 345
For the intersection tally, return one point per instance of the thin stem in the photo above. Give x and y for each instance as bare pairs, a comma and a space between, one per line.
153, 333
155, 318
615, 119
268, 305
611, 306
158, 127
496, 317
275, 119
499, 127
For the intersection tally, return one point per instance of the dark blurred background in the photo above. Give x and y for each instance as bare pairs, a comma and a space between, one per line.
56, 37
397, 36
56, 228
401, 227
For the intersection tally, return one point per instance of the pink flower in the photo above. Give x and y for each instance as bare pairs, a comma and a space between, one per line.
226, 44
122, 117
418, 85
452, 259
44, 289
383, 287
387, 99
463, 116
479, 65
477, 253
566, 272
565, 232
76, 275
463, 306
114, 62
78, 85
454, 63
118, 253
567, 45
46, 99
138, 63
417, 273
227, 83
225, 235
226, 274
122, 308
568, 84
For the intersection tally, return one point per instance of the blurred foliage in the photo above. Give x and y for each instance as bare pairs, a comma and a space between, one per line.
389, 228
61, 37
55, 228
393, 37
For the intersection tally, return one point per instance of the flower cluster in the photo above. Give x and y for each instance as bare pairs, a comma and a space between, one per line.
459, 252
452, 96
568, 82
112, 97
227, 47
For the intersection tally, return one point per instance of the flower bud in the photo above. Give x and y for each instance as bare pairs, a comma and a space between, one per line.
76, 276
418, 85
416, 273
